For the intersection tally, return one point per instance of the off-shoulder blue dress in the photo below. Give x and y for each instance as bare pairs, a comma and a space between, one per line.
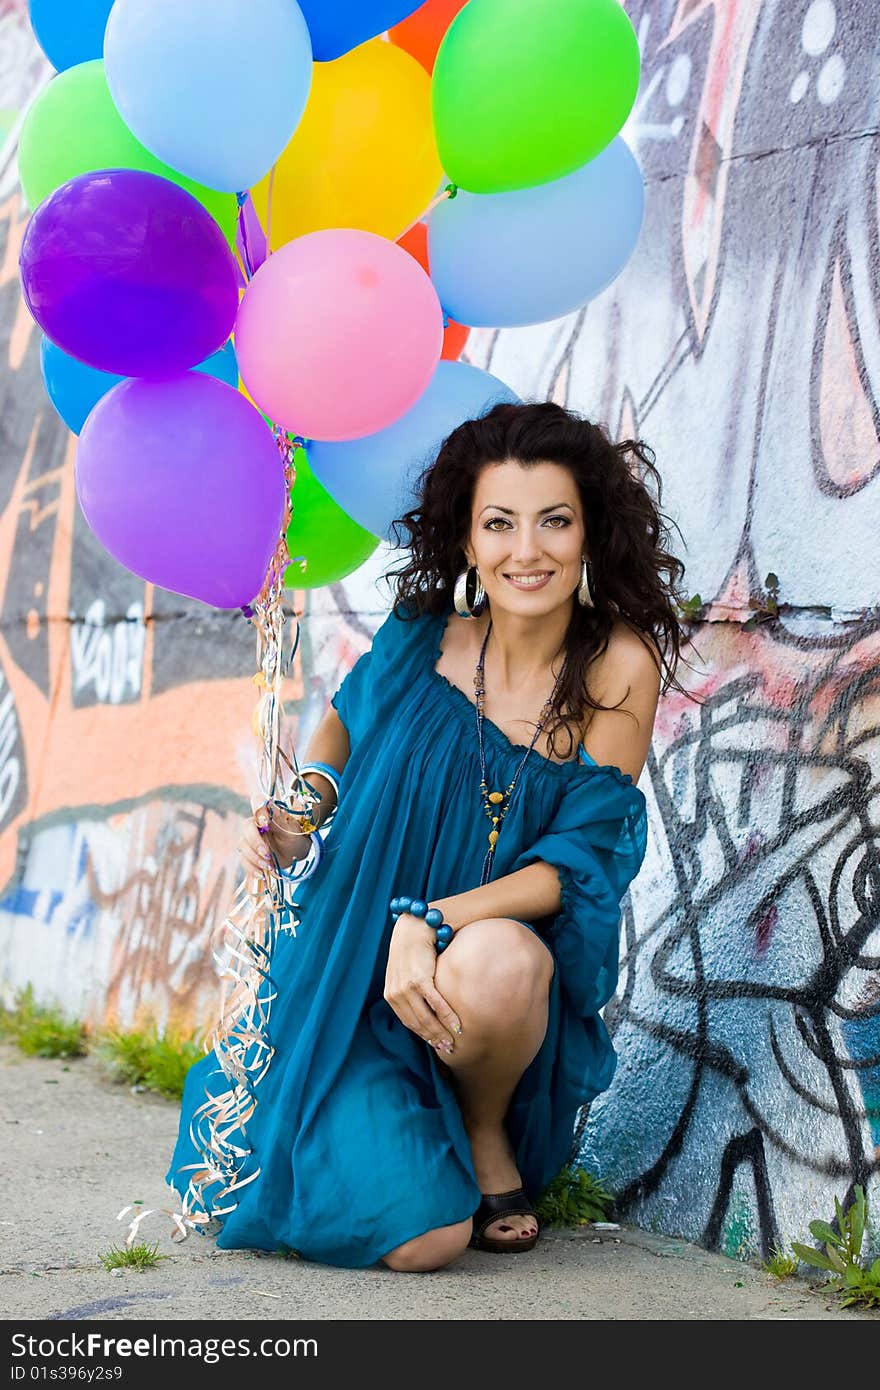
357, 1133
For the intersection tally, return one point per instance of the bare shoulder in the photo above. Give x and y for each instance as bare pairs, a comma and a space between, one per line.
628, 676
630, 661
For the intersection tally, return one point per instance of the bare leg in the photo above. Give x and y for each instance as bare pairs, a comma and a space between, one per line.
496, 975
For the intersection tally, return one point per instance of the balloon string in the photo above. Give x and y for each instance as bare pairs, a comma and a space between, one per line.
243, 242
241, 1041
269, 198
449, 191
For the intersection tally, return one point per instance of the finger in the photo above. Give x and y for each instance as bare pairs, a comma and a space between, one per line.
258, 847
254, 866
430, 1027
256, 860
405, 1014
442, 1008
423, 1026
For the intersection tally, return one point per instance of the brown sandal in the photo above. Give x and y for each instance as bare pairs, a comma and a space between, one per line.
493, 1206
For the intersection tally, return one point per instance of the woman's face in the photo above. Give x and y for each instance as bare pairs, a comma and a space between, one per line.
527, 521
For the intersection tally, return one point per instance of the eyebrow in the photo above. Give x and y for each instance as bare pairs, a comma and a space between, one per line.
511, 512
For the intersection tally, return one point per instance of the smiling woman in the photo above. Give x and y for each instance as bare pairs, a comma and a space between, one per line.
441, 1043
539, 505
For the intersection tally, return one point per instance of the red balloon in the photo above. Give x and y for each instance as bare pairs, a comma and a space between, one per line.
455, 335
423, 32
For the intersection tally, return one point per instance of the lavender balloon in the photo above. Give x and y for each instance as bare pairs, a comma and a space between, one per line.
128, 273
182, 482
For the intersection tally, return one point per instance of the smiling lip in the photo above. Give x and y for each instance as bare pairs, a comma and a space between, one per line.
533, 584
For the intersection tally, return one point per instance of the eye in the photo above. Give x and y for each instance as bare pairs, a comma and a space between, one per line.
490, 524
559, 517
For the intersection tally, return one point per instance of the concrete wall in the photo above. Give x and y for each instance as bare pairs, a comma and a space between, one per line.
742, 343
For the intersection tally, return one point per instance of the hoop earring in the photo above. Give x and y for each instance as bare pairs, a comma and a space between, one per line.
586, 592
463, 607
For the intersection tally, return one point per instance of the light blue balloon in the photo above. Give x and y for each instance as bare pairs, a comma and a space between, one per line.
215, 88
74, 388
374, 478
70, 32
502, 260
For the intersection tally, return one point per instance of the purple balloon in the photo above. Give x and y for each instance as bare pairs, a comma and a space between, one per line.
129, 273
182, 482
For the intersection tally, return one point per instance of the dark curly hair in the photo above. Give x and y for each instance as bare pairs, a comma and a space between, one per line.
634, 576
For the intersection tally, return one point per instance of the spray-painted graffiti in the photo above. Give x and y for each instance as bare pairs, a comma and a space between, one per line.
743, 343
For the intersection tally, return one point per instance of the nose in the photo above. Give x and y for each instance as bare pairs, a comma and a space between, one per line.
529, 548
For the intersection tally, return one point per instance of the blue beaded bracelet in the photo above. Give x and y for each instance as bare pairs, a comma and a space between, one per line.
417, 907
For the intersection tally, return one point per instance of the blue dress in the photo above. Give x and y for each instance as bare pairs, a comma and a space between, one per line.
357, 1133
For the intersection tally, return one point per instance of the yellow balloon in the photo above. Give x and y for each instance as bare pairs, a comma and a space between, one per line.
364, 153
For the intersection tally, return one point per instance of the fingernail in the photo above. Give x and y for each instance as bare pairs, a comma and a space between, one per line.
458, 1030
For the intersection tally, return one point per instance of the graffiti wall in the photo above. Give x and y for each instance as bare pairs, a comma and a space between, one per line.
742, 342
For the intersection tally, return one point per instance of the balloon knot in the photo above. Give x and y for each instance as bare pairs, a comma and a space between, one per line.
241, 198
451, 189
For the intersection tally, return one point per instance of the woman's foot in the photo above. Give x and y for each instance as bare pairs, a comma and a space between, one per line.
496, 1171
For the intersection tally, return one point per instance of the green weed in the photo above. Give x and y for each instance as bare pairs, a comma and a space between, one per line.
691, 608
134, 1257
143, 1058
780, 1264
39, 1031
573, 1198
842, 1254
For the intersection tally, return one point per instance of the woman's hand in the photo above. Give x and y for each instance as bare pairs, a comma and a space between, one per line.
254, 848
409, 984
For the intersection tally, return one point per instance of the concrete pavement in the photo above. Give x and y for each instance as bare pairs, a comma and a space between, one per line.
78, 1148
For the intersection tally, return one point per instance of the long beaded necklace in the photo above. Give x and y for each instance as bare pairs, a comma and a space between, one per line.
495, 803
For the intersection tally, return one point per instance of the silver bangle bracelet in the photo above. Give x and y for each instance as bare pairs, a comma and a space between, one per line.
333, 777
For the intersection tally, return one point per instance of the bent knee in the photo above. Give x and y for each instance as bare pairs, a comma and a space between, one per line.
432, 1250
501, 952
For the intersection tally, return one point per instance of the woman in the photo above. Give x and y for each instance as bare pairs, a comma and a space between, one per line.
421, 1094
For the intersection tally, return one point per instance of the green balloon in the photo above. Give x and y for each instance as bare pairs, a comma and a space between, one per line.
526, 92
332, 542
74, 128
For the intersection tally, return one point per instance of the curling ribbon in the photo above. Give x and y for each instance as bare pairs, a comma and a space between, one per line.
240, 1040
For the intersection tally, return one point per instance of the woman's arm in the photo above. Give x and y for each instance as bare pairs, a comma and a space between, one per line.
328, 744
534, 891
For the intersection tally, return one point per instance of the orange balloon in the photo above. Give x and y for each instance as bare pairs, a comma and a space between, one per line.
455, 335
423, 32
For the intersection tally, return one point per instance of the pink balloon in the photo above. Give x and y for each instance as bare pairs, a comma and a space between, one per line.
183, 483
338, 334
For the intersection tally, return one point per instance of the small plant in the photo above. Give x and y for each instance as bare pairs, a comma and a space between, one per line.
132, 1257
41, 1032
691, 608
780, 1264
861, 1286
573, 1198
142, 1058
842, 1254
766, 608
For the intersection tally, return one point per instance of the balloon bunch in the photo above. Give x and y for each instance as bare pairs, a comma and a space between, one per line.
268, 174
